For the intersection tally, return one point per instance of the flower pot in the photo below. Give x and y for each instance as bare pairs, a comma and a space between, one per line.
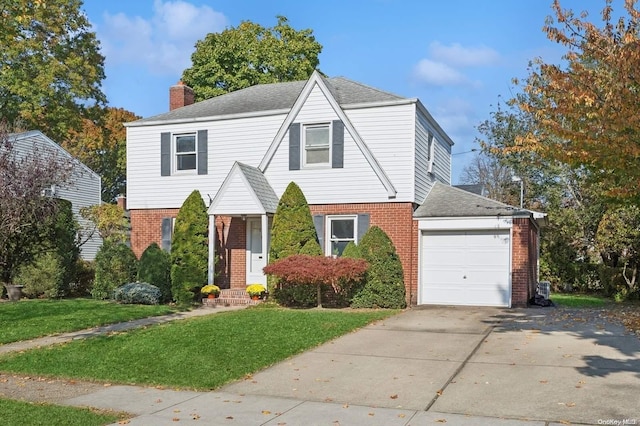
14, 291
255, 297
211, 296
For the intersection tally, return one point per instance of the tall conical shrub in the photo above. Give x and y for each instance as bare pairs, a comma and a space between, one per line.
384, 282
189, 250
292, 232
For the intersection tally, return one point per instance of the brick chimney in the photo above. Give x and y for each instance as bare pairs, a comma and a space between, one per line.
180, 95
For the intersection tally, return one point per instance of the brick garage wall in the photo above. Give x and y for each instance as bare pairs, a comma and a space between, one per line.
524, 262
146, 227
396, 219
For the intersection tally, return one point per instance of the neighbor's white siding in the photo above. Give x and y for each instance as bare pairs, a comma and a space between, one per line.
387, 131
245, 140
83, 189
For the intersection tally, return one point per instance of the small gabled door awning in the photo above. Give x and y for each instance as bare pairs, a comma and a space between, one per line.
245, 191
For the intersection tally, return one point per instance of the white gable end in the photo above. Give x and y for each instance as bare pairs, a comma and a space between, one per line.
236, 197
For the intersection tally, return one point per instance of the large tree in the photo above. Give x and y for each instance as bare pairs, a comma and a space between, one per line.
587, 110
101, 144
50, 65
24, 212
251, 54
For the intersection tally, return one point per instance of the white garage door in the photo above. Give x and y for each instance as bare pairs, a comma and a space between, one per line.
465, 268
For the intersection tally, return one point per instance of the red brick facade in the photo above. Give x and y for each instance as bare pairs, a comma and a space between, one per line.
396, 219
524, 265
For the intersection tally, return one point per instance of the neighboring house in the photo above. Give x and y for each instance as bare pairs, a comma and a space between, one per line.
361, 156
83, 189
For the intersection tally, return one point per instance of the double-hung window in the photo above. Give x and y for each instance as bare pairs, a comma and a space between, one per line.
341, 230
186, 153
317, 144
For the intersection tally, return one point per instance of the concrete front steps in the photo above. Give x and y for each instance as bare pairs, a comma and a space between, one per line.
231, 297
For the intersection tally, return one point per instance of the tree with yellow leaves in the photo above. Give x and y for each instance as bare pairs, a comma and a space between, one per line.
587, 112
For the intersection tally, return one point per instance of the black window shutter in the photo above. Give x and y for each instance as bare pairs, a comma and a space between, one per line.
318, 221
363, 224
337, 149
203, 142
165, 154
167, 230
294, 146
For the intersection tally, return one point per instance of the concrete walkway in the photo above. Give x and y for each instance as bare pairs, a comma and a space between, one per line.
460, 366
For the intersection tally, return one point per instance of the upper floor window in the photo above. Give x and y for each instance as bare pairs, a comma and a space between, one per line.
186, 153
317, 146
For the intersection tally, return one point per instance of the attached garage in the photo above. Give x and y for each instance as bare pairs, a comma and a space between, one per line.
475, 251
465, 268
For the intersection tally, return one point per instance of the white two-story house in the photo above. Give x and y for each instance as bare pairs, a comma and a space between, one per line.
361, 156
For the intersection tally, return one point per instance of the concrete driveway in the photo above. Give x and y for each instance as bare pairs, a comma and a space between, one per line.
462, 364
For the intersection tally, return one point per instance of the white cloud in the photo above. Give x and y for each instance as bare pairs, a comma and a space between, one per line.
438, 73
162, 43
443, 65
458, 55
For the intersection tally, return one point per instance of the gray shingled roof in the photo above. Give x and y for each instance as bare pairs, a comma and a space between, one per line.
258, 182
448, 201
271, 97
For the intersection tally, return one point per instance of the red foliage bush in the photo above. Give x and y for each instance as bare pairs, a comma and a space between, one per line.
317, 270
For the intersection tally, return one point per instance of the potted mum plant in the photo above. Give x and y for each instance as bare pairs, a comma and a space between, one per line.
256, 291
210, 291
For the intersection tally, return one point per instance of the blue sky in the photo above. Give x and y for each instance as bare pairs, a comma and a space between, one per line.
457, 56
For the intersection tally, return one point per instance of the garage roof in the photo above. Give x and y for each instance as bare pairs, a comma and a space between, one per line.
447, 201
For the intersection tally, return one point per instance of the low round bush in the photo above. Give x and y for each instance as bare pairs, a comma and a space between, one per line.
138, 293
42, 278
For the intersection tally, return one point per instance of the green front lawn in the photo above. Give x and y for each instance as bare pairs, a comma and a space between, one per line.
199, 353
28, 319
571, 300
19, 413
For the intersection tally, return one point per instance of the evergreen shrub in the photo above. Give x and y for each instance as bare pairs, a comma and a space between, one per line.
138, 293
116, 264
155, 268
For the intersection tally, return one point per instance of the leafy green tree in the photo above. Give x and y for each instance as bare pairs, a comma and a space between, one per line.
50, 65
189, 249
101, 144
109, 221
618, 240
155, 268
384, 282
116, 264
251, 54
63, 241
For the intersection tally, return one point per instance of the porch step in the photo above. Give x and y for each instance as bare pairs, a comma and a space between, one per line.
231, 297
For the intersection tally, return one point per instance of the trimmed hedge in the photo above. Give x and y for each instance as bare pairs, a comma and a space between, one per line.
384, 282
115, 265
155, 268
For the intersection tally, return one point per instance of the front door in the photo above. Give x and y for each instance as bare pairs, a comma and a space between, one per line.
256, 259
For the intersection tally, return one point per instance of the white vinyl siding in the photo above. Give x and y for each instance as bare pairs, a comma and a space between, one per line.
441, 162
387, 131
245, 140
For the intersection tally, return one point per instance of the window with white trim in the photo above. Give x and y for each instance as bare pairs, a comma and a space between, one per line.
186, 154
317, 144
340, 231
